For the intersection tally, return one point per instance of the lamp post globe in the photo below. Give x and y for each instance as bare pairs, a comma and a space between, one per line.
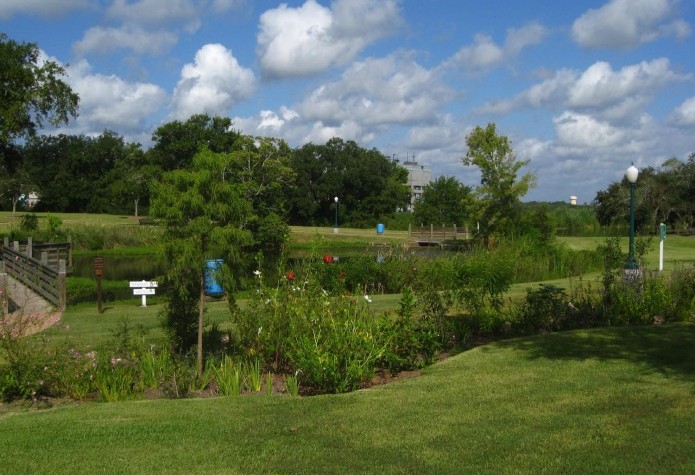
631, 267
335, 228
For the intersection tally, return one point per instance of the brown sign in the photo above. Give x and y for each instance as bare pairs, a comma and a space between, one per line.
98, 266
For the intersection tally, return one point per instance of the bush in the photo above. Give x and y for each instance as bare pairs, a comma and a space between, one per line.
682, 289
546, 309
84, 289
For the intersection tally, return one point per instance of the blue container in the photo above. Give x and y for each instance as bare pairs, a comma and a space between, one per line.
212, 287
380, 228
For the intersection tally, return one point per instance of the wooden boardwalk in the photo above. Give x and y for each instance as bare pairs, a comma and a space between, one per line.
32, 311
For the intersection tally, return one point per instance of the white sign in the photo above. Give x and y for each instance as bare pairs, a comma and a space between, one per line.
143, 291
143, 288
143, 284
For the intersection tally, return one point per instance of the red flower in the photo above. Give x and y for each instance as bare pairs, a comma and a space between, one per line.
327, 258
290, 275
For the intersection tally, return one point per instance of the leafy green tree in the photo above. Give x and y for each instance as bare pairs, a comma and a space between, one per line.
32, 92
203, 217
73, 173
368, 184
176, 142
664, 195
500, 188
445, 201
130, 179
262, 168
15, 179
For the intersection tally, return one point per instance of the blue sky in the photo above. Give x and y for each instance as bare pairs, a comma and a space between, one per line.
582, 88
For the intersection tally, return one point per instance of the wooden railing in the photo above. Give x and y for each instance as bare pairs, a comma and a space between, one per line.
431, 235
50, 253
48, 281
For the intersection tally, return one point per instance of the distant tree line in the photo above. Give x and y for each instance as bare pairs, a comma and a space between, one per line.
663, 195
106, 174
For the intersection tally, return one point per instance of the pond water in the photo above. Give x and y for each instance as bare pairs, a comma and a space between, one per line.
140, 267
148, 267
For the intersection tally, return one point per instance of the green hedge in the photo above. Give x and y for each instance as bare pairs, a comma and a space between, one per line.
84, 289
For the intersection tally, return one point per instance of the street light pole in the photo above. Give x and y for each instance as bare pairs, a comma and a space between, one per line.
631, 266
335, 229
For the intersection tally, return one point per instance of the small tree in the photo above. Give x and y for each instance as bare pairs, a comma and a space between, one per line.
500, 190
444, 201
203, 215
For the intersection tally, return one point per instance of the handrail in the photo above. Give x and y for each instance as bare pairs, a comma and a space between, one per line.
45, 281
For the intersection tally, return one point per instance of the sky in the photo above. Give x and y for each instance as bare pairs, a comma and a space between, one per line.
581, 88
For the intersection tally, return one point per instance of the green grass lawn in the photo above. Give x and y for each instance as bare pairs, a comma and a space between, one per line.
609, 400
678, 250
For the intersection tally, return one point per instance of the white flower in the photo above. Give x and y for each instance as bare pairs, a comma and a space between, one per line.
257, 273
366, 297
259, 330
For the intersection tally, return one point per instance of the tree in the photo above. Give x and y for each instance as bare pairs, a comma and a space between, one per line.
15, 180
176, 142
203, 216
32, 93
73, 173
445, 201
262, 168
367, 183
500, 190
664, 195
130, 179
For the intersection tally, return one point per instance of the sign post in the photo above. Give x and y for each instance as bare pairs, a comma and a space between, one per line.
98, 274
662, 232
143, 288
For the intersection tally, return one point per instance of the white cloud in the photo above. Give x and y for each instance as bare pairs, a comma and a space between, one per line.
520, 38
615, 95
312, 38
600, 85
222, 6
107, 40
212, 84
583, 131
379, 91
109, 102
628, 23
152, 11
684, 115
53, 8
350, 130
485, 54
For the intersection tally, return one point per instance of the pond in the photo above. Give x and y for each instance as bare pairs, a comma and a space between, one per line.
137, 267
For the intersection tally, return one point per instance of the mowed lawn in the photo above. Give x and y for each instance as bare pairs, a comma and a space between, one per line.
609, 400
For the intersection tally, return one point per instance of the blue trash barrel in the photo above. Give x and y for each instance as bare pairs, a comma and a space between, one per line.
212, 287
380, 228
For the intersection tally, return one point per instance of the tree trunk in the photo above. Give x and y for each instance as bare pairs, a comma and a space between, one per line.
136, 206
200, 324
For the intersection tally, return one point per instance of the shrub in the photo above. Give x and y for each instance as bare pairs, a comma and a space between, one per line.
682, 288
482, 279
546, 309
411, 342
84, 289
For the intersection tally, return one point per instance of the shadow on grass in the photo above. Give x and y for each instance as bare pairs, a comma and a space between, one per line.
667, 349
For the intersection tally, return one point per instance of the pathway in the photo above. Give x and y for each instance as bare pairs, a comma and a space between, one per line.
33, 312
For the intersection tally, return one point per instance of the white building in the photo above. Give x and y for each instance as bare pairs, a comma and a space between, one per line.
419, 176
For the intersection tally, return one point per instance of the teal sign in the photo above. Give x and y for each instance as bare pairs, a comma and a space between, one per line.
662, 229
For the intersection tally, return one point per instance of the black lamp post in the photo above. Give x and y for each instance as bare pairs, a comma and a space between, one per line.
335, 229
631, 174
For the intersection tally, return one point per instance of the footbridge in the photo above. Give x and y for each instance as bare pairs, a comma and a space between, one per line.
33, 286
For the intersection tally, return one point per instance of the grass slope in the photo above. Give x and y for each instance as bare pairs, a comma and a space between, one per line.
611, 400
